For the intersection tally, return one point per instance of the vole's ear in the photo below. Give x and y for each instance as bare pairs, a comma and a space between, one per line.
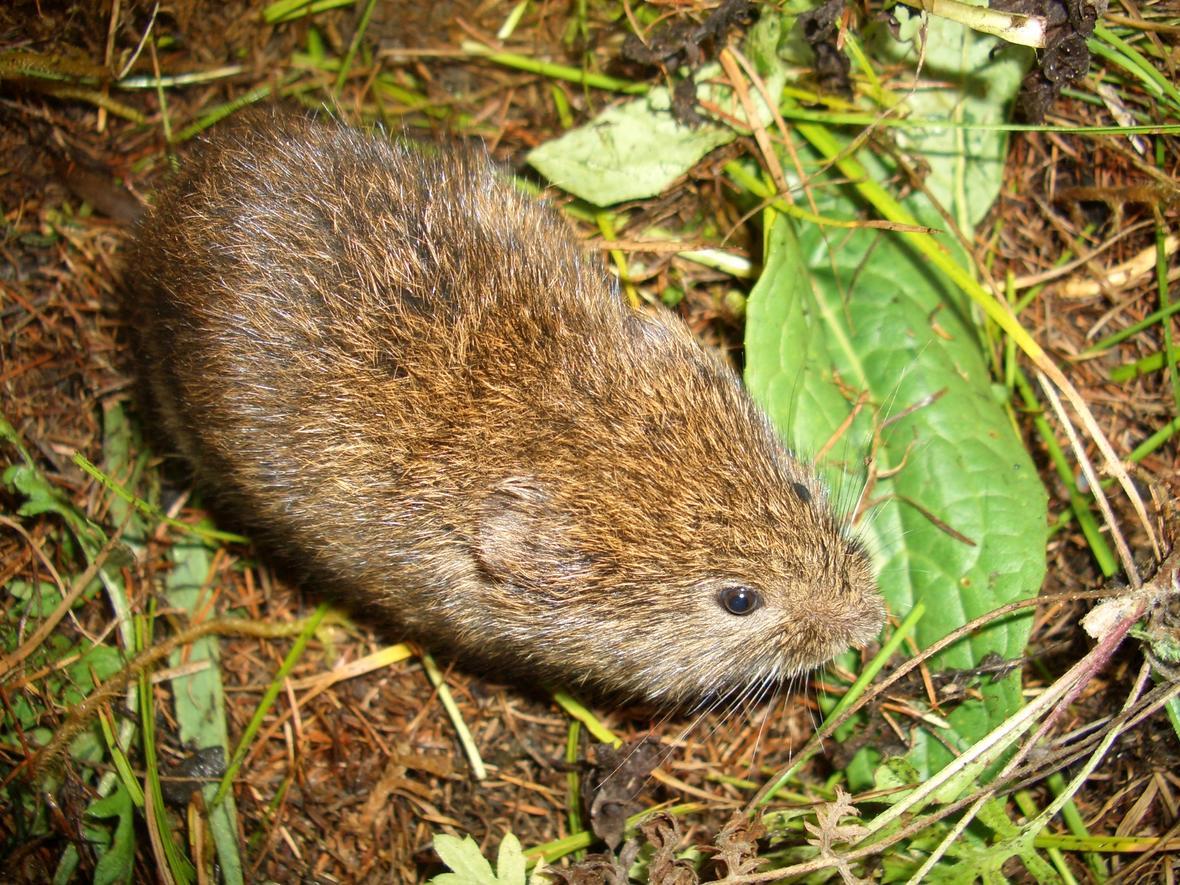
523, 538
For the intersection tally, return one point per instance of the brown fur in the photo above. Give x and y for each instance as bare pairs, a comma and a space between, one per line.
413, 377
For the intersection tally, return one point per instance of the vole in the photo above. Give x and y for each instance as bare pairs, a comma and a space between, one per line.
412, 379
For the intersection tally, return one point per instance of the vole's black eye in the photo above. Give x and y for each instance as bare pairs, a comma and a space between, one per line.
738, 600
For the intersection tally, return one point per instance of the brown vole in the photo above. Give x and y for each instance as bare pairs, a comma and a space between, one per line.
411, 377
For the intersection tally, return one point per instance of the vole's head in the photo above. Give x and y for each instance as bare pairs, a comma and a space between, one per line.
662, 543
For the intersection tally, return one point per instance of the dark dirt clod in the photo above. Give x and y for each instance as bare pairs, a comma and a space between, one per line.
832, 66
191, 774
687, 43
1065, 59
611, 787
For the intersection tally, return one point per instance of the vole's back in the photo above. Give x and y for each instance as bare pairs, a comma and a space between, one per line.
411, 376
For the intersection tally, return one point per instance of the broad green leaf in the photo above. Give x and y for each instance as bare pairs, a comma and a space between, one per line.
637, 149
894, 779
41, 496
973, 859
72, 683
984, 74
101, 660
628, 152
960, 518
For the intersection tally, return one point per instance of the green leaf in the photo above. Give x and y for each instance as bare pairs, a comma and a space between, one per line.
811, 350
102, 660
510, 862
469, 867
33, 602
117, 858
41, 497
637, 149
119, 440
973, 859
628, 152
960, 515
462, 857
893, 779
199, 697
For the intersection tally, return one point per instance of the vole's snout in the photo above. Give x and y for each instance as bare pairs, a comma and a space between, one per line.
829, 625
857, 614
839, 606
862, 625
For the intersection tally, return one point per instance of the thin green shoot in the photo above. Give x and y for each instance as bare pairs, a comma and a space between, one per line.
582, 714
554, 70
573, 778
268, 699
353, 46
150, 510
478, 770
1106, 44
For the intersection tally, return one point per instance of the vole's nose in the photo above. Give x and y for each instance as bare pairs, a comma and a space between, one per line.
830, 626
